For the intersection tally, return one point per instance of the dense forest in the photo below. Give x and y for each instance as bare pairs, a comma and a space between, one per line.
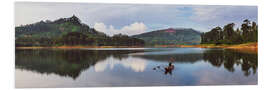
248, 32
68, 32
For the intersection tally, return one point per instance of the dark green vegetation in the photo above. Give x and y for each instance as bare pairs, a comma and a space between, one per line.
171, 36
70, 32
70, 63
248, 32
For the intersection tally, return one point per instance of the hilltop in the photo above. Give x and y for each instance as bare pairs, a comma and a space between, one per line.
171, 36
52, 29
68, 32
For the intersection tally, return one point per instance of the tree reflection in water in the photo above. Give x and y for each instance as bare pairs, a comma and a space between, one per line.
230, 58
64, 62
70, 63
216, 57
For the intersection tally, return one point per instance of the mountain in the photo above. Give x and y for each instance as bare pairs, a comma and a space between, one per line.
52, 29
171, 36
68, 32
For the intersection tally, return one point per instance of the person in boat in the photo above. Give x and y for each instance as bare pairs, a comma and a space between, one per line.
169, 68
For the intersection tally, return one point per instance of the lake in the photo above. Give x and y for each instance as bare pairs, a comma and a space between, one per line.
104, 67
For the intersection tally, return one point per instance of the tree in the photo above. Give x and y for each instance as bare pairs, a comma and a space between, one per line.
247, 33
75, 38
228, 31
246, 28
254, 32
214, 36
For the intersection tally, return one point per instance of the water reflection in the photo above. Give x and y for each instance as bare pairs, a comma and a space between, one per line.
230, 58
136, 64
70, 63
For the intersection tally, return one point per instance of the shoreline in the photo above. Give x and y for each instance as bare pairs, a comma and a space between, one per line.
253, 47
247, 47
74, 47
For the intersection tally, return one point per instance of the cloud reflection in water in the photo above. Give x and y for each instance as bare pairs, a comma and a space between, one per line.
136, 64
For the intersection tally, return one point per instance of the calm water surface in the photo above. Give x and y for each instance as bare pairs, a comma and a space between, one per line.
133, 67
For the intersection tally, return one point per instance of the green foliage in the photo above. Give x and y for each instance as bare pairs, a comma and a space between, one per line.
67, 31
227, 35
124, 40
170, 37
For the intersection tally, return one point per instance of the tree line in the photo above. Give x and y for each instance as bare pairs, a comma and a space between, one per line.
248, 32
77, 38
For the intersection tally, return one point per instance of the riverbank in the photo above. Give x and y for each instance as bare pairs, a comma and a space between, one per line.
250, 47
74, 47
247, 47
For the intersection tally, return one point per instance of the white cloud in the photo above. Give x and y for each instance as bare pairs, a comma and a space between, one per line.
132, 29
100, 27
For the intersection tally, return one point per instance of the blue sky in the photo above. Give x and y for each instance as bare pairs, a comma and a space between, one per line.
136, 18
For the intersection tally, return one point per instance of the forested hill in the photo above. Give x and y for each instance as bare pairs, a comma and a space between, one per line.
51, 29
171, 36
68, 32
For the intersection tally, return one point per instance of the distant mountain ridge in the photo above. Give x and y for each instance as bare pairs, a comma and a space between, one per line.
68, 32
52, 29
171, 36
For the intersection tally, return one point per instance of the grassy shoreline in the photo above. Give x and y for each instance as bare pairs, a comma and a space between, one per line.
253, 47
248, 47
67, 47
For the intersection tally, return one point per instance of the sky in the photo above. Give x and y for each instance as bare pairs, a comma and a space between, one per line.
134, 19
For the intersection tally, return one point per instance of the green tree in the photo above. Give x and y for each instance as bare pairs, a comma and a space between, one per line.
247, 33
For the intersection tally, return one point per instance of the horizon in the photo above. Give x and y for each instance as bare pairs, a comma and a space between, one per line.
132, 19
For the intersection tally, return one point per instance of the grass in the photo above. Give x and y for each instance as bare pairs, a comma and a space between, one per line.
252, 46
